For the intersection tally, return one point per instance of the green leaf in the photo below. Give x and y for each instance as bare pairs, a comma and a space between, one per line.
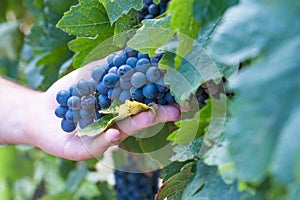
170, 170
90, 49
187, 26
87, 19
207, 184
153, 34
219, 156
257, 123
255, 21
125, 24
208, 10
115, 9
176, 184
197, 67
287, 150
187, 152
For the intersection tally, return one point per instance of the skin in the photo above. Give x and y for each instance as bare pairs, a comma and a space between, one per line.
28, 118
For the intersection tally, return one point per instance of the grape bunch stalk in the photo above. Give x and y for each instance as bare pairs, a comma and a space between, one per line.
129, 75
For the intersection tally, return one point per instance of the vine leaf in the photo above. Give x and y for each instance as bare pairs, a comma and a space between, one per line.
112, 115
87, 19
187, 152
176, 184
258, 123
153, 34
256, 26
207, 184
115, 9
184, 22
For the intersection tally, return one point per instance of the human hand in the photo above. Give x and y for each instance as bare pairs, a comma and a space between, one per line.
45, 132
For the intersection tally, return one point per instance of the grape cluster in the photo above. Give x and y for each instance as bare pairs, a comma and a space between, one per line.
77, 105
129, 75
136, 186
151, 10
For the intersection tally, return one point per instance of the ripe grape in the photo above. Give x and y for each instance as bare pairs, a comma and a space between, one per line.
101, 88
62, 97
142, 65
140, 55
86, 87
130, 52
67, 126
125, 71
154, 9
84, 113
98, 72
110, 80
104, 101
137, 93
169, 98
153, 74
150, 91
131, 61
124, 95
120, 59
110, 59
138, 80
60, 111
113, 70
125, 85
74, 103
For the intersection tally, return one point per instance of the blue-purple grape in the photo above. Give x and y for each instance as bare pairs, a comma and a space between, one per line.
74, 103
138, 80
62, 97
67, 126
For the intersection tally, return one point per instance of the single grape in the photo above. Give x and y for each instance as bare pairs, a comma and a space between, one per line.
131, 61
110, 59
110, 80
104, 101
113, 93
124, 85
150, 91
88, 103
67, 126
154, 9
137, 93
60, 111
153, 74
138, 80
74, 103
73, 115
62, 97
85, 122
124, 95
101, 88
98, 72
142, 65
120, 59
84, 87
73, 91
169, 98
125, 71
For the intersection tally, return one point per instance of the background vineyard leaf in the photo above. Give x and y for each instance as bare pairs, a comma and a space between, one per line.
115, 9
153, 34
257, 123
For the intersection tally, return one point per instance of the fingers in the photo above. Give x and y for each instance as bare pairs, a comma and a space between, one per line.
132, 125
81, 148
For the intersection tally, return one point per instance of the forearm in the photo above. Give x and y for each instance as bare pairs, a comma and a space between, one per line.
16, 107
